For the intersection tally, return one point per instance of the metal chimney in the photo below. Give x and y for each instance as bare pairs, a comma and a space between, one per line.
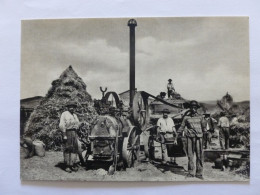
132, 24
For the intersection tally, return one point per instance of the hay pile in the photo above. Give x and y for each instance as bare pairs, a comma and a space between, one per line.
43, 123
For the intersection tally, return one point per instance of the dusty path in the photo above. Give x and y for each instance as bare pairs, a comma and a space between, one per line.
46, 168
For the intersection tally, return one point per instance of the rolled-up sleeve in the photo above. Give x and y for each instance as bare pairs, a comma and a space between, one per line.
77, 123
62, 124
180, 130
159, 123
219, 122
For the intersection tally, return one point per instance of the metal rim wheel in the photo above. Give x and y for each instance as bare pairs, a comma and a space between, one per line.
112, 98
141, 110
147, 140
131, 146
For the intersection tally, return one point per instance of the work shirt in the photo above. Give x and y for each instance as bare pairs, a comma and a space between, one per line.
170, 87
223, 122
68, 121
194, 126
166, 124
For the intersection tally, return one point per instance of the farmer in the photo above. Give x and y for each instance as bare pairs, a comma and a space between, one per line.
170, 88
162, 95
223, 124
167, 130
69, 124
192, 127
209, 125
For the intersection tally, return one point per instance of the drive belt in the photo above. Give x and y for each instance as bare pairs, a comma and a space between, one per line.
159, 99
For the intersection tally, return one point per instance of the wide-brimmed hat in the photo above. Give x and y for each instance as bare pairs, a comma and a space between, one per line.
166, 111
194, 103
71, 103
169, 80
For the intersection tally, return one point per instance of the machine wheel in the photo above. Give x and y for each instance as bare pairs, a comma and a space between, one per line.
131, 147
141, 110
146, 141
113, 99
151, 148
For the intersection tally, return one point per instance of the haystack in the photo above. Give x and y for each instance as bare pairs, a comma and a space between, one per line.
43, 122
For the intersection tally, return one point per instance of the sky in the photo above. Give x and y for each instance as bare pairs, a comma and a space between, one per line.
204, 56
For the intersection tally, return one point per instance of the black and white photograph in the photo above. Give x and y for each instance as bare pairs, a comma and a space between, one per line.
135, 99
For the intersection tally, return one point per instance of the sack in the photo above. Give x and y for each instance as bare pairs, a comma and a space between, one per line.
39, 148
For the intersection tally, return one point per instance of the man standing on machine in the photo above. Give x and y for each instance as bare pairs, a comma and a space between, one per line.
170, 88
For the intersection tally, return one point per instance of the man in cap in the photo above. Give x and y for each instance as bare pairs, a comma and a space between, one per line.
192, 127
167, 129
69, 124
209, 125
223, 125
170, 88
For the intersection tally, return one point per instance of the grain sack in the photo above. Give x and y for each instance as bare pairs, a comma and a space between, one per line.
39, 147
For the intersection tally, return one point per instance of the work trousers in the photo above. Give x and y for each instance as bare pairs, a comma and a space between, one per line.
71, 148
165, 156
224, 137
207, 139
169, 93
195, 145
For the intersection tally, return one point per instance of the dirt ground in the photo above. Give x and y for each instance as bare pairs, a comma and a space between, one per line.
50, 168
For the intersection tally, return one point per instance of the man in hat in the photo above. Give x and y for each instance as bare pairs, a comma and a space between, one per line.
209, 125
69, 124
167, 129
170, 88
223, 125
162, 95
192, 127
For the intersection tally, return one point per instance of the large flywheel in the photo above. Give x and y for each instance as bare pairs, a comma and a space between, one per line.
131, 147
141, 110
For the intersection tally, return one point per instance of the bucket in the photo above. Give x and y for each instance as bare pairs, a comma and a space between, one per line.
39, 148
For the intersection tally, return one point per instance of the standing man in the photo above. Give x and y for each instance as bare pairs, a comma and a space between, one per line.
170, 88
69, 124
234, 121
167, 129
223, 125
192, 127
209, 125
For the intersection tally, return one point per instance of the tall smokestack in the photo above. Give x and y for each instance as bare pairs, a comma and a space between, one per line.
132, 24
